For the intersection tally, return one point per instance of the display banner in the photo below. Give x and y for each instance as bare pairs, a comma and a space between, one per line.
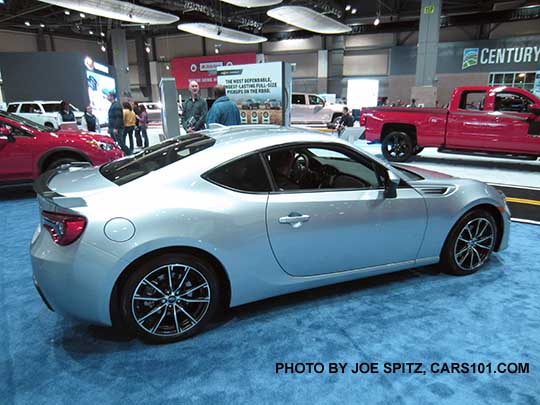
203, 69
99, 87
261, 91
512, 54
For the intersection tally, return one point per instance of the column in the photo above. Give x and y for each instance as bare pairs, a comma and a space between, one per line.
322, 71
336, 56
120, 62
425, 91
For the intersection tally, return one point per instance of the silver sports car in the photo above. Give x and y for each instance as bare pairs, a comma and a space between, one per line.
158, 242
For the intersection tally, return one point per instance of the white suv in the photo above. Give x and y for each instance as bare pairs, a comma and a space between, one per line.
43, 112
312, 109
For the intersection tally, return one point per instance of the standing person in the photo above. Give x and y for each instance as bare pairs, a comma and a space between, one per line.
143, 124
129, 125
89, 121
413, 103
223, 111
116, 121
137, 111
194, 109
346, 120
65, 112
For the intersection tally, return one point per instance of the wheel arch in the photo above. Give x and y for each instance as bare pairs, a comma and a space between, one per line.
58, 153
114, 301
409, 129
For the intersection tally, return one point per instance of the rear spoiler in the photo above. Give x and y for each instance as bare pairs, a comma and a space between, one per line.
48, 196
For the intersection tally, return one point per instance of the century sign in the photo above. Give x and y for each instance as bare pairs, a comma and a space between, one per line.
493, 56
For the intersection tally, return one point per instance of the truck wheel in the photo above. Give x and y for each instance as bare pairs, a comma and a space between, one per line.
336, 117
397, 147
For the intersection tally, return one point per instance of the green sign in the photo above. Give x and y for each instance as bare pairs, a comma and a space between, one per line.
429, 9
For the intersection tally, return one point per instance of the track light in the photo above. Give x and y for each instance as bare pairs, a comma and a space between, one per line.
143, 26
377, 21
27, 23
91, 32
167, 67
102, 34
147, 49
353, 11
347, 7
42, 25
67, 12
82, 15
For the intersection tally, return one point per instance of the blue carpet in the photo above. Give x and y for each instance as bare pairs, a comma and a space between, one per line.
415, 316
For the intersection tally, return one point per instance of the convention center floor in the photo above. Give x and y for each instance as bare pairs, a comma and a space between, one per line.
419, 316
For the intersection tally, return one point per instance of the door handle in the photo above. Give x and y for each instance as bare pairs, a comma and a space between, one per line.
294, 219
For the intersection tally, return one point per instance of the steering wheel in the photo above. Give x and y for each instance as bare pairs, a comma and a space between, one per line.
299, 167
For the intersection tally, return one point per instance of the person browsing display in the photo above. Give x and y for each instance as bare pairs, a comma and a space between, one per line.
194, 110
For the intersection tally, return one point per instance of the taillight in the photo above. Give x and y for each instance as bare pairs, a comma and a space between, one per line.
63, 228
363, 119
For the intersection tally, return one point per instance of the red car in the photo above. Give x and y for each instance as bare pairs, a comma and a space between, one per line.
502, 121
28, 149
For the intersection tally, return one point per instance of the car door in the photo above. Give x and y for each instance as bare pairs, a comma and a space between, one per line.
511, 111
32, 112
16, 158
318, 114
343, 223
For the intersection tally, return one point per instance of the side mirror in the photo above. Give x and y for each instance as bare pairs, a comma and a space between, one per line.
535, 108
392, 183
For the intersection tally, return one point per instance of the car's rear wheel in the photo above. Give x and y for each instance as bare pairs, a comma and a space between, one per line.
170, 298
397, 147
470, 243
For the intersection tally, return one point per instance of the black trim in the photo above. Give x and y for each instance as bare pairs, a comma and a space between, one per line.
507, 155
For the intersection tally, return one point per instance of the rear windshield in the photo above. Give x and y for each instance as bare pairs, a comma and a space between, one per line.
154, 158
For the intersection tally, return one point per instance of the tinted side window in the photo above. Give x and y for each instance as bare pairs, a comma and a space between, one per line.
314, 100
30, 108
298, 99
245, 174
512, 102
472, 100
12, 108
51, 107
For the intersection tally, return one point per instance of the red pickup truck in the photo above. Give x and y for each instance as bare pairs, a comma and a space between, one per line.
502, 121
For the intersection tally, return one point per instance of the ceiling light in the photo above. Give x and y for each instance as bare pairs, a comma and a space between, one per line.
167, 67
253, 3
42, 25
347, 7
27, 23
308, 19
67, 12
103, 48
219, 33
82, 15
216, 50
353, 11
377, 21
102, 34
147, 49
117, 10
91, 32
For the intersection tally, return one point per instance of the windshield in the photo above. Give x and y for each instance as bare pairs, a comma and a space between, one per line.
154, 158
26, 122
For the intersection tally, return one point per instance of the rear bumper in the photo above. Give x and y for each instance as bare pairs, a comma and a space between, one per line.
73, 280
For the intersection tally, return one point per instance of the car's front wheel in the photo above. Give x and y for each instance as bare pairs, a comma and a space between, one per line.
470, 243
170, 298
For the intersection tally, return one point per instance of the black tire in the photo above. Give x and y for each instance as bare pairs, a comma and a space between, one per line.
336, 117
397, 146
61, 161
160, 315
417, 149
466, 251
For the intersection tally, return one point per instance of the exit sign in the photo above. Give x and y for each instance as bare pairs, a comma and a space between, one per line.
429, 9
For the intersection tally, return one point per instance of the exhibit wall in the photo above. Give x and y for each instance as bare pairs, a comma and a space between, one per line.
31, 76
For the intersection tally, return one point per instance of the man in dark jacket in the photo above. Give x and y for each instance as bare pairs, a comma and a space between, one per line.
194, 109
223, 111
116, 122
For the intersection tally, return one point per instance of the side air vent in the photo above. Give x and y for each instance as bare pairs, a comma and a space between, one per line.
436, 190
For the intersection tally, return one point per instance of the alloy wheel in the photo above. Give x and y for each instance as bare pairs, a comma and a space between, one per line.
170, 300
474, 244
